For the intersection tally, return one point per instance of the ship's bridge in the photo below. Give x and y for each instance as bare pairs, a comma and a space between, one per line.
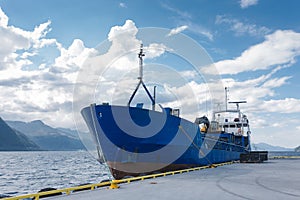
232, 121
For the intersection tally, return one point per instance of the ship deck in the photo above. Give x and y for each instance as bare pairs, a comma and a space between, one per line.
274, 179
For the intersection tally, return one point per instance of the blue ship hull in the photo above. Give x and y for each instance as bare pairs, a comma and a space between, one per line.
135, 141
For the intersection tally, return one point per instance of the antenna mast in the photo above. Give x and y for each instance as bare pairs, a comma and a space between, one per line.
141, 82
141, 54
226, 98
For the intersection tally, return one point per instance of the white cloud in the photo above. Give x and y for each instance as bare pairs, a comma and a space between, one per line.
177, 30
27, 54
123, 38
3, 19
189, 74
279, 48
41, 30
287, 105
155, 50
122, 5
38, 36
256, 91
14, 39
276, 82
71, 59
34, 89
247, 3
241, 28
11, 41
117, 32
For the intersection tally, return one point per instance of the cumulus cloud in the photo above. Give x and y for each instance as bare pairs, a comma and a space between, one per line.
15, 39
41, 30
247, 3
279, 48
262, 85
286, 105
123, 38
71, 59
37, 90
11, 40
255, 91
155, 50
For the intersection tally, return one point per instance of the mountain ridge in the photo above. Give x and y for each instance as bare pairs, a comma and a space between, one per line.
267, 147
40, 136
13, 140
47, 137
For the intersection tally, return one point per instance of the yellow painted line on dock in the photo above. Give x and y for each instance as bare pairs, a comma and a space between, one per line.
112, 184
67, 191
285, 157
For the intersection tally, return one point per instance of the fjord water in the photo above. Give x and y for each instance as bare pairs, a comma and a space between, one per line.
29, 172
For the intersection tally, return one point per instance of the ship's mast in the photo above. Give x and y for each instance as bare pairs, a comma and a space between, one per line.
154, 97
140, 55
141, 82
226, 98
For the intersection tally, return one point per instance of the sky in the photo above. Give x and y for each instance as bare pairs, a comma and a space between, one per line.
48, 48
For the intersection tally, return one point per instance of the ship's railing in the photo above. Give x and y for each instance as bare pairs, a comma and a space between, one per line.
112, 184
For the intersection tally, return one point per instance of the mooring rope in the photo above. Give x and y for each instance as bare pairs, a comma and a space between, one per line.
191, 140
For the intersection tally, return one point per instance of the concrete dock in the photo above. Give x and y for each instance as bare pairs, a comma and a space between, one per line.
274, 179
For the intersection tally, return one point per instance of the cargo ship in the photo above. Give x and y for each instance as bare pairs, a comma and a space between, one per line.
134, 141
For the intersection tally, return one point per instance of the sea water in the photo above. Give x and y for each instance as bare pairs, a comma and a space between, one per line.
29, 172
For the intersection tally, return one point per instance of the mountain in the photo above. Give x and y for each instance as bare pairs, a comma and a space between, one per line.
68, 132
12, 140
34, 128
268, 147
48, 138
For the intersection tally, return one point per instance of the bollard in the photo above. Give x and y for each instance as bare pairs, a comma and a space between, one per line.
114, 184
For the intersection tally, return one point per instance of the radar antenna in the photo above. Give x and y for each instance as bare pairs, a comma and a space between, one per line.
238, 106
